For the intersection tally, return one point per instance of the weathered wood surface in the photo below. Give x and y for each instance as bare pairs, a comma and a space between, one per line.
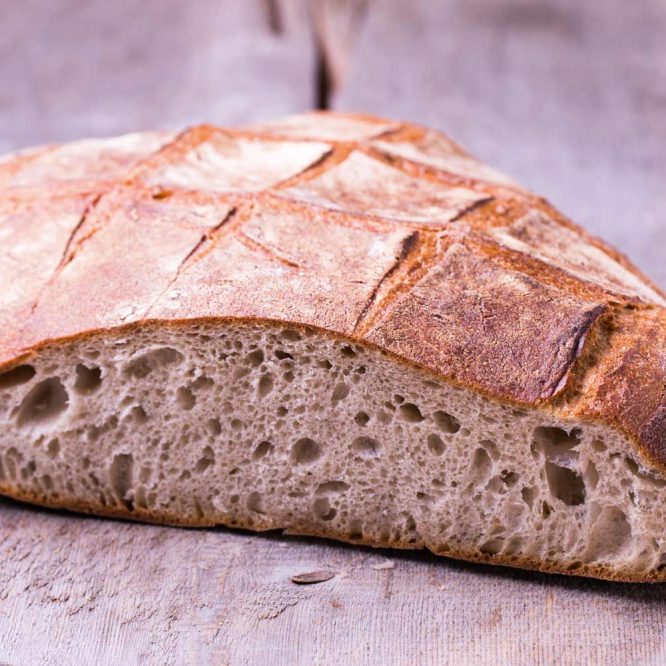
71, 69
76, 590
568, 97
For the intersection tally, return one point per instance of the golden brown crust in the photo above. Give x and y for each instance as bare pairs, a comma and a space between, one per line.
376, 231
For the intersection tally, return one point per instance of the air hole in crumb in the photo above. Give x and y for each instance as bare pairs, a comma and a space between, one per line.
206, 460
383, 417
610, 533
240, 372
492, 547
495, 485
145, 474
255, 503
355, 529
598, 445
44, 402
361, 418
282, 355
411, 413
255, 358
53, 448
325, 364
340, 392
120, 477
88, 380
323, 509
202, 383
546, 509
332, 487
591, 475
214, 427
185, 398
491, 448
138, 414
435, 445
633, 467
446, 422
553, 438
513, 546
348, 352
265, 385
21, 374
529, 495
509, 478
367, 447
557, 446
263, 449
198, 509
481, 464
424, 497
291, 335
384, 533
565, 484
305, 451
143, 365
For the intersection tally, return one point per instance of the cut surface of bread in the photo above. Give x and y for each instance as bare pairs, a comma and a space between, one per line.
333, 325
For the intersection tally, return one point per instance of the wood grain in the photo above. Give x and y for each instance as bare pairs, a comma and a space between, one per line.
87, 591
72, 69
568, 97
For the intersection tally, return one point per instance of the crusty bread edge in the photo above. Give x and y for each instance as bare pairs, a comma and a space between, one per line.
550, 406
621, 575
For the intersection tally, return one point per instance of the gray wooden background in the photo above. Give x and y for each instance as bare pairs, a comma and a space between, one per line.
568, 97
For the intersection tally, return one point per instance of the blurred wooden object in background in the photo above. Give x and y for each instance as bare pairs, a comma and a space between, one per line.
336, 25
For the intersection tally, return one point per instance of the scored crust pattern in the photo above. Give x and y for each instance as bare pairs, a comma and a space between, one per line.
378, 231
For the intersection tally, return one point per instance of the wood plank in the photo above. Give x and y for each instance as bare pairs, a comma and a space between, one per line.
77, 590
568, 97
72, 69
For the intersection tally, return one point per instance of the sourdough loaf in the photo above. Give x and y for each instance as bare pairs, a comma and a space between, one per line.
332, 325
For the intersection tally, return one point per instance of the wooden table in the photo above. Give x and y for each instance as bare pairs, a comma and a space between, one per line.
568, 97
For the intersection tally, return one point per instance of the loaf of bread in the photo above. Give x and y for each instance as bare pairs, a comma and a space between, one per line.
332, 325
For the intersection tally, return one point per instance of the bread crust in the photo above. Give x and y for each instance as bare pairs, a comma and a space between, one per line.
376, 231
615, 574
